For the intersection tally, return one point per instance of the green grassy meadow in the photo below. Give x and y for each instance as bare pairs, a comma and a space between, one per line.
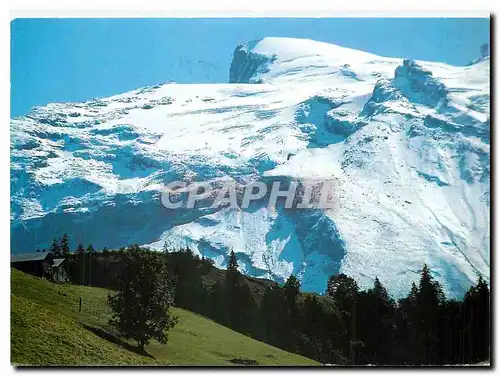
48, 329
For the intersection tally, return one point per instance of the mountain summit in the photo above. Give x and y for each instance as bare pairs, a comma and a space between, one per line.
407, 142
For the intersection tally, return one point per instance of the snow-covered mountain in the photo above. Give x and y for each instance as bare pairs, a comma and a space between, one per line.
408, 143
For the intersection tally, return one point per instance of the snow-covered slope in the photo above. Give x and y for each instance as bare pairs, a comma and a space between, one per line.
407, 143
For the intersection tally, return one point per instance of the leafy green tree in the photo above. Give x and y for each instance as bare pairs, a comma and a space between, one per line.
141, 306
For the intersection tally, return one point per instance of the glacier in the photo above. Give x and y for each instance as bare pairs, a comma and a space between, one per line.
407, 142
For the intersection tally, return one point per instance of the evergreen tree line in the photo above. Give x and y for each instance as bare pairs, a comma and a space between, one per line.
346, 325
79, 267
59, 247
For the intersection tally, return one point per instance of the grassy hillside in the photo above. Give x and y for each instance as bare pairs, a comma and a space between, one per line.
47, 329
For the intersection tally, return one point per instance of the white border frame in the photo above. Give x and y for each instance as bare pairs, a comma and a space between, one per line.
190, 8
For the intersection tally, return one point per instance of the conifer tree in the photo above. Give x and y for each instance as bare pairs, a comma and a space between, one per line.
90, 251
344, 291
477, 322
429, 301
232, 264
269, 314
55, 248
80, 250
219, 307
80, 273
231, 289
406, 334
376, 318
232, 275
312, 317
291, 290
65, 245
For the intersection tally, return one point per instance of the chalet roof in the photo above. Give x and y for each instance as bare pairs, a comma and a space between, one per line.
24, 257
57, 262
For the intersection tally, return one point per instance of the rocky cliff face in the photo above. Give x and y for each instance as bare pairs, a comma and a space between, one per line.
247, 65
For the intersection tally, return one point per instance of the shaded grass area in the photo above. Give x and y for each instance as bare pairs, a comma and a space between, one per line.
48, 329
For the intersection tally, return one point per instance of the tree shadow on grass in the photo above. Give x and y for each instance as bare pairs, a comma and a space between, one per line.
244, 362
117, 341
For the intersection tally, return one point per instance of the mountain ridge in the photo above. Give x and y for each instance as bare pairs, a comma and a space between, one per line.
407, 142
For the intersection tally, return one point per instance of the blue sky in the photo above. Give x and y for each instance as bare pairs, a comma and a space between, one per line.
57, 60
